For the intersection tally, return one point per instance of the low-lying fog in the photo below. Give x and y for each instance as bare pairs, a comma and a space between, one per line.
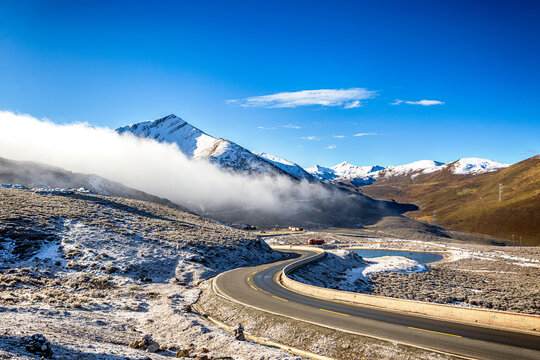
163, 170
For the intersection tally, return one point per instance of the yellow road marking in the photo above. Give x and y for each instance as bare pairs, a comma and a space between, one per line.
277, 297
253, 287
249, 278
334, 312
436, 332
253, 273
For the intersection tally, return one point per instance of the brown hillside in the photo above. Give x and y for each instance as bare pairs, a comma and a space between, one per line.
470, 203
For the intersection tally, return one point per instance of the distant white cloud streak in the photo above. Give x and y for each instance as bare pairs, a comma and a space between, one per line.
266, 128
365, 134
330, 147
419, 102
345, 98
291, 126
309, 137
339, 136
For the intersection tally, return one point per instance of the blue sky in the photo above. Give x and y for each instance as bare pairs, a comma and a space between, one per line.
216, 65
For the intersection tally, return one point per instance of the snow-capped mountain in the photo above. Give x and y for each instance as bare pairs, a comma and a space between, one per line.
196, 144
288, 166
365, 175
474, 166
416, 167
322, 173
346, 170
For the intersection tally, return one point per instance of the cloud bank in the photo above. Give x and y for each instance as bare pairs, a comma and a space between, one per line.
163, 170
419, 102
345, 98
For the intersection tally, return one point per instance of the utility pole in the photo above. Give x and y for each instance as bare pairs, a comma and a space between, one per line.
500, 192
434, 217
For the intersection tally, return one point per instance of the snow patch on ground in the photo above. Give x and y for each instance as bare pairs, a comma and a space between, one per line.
346, 270
392, 264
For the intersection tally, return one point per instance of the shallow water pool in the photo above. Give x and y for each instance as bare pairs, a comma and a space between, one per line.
421, 257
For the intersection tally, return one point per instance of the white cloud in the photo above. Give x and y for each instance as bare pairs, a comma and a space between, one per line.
339, 136
347, 98
419, 102
157, 168
352, 105
291, 126
309, 137
330, 147
266, 128
365, 134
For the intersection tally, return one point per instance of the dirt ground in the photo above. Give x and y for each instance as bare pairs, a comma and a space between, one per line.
95, 274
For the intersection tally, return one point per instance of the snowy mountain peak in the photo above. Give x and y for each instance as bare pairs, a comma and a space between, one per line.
342, 165
416, 167
196, 144
474, 166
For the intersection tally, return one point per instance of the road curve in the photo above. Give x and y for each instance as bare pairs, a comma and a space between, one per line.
258, 287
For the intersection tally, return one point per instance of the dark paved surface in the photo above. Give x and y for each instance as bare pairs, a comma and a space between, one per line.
258, 286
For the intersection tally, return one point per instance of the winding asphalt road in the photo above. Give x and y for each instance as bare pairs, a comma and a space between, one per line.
259, 287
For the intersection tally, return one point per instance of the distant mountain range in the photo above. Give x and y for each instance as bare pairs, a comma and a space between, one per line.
196, 144
365, 175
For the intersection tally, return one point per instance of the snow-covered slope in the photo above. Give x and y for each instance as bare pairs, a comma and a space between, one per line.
421, 166
359, 175
288, 166
198, 145
322, 173
474, 166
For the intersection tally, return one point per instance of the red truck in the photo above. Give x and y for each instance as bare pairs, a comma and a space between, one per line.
315, 242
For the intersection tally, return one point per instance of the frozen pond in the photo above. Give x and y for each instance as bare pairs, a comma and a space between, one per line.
421, 257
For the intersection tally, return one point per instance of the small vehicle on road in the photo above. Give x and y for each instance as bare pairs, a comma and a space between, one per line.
315, 242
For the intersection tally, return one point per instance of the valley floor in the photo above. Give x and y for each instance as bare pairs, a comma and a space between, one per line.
95, 274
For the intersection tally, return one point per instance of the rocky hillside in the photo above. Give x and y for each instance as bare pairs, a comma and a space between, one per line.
470, 201
113, 278
196, 144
